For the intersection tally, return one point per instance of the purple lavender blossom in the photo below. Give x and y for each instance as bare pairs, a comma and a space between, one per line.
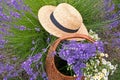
2, 43
22, 28
1, 68
4, 17
79, 78
113, 16
4, 30
77, 68
116, 42
77, 53
14, 58
44, 76
8, 70
44, 50
100, 46
118, 5
117, 34
75, 50
1, 9
111, 8
37, 57
48, 40
1, 56
15, 14
27, 65
32, 49
15, 4
5, 78
118, 13
114, 24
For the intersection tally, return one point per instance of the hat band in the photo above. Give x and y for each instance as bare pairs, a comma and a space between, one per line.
58, 25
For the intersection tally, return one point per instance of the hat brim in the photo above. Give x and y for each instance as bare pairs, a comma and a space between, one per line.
44, 18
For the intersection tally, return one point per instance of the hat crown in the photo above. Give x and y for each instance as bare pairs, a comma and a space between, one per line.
68, 16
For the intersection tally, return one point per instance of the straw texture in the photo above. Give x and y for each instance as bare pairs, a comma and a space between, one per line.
66, 15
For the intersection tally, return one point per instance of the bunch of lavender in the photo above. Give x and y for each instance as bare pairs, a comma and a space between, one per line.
78, 53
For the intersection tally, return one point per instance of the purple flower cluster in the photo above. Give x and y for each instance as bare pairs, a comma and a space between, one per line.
9, 17
10, 67
27, 66
7, 68
44, 76
111, 15
112, 29
15, 14
17, 4
77, 53
2, 43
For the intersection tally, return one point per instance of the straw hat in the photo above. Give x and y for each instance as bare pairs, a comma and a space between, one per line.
61, 20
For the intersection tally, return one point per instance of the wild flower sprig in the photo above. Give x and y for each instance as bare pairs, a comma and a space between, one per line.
97, 68
76, 54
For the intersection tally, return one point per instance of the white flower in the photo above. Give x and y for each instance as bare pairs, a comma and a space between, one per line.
104, 71
106, 55
104, 61
102, 54
101, 75
96, 70
115, 67
93, 35
98, 62
96, 37
95, 78
108, 63
111, 67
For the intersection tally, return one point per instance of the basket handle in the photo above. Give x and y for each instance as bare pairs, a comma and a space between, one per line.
50, 60
56, 43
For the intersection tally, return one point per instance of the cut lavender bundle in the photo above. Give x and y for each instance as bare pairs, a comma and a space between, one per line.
76, 54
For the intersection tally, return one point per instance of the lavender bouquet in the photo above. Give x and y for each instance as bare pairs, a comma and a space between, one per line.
87, 59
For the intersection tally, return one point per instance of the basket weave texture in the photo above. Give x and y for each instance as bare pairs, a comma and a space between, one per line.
52, 72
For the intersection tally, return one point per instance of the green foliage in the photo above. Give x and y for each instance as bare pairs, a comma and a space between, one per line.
116, 75
91, 10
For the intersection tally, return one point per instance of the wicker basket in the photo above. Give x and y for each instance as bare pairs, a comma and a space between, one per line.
52, 72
